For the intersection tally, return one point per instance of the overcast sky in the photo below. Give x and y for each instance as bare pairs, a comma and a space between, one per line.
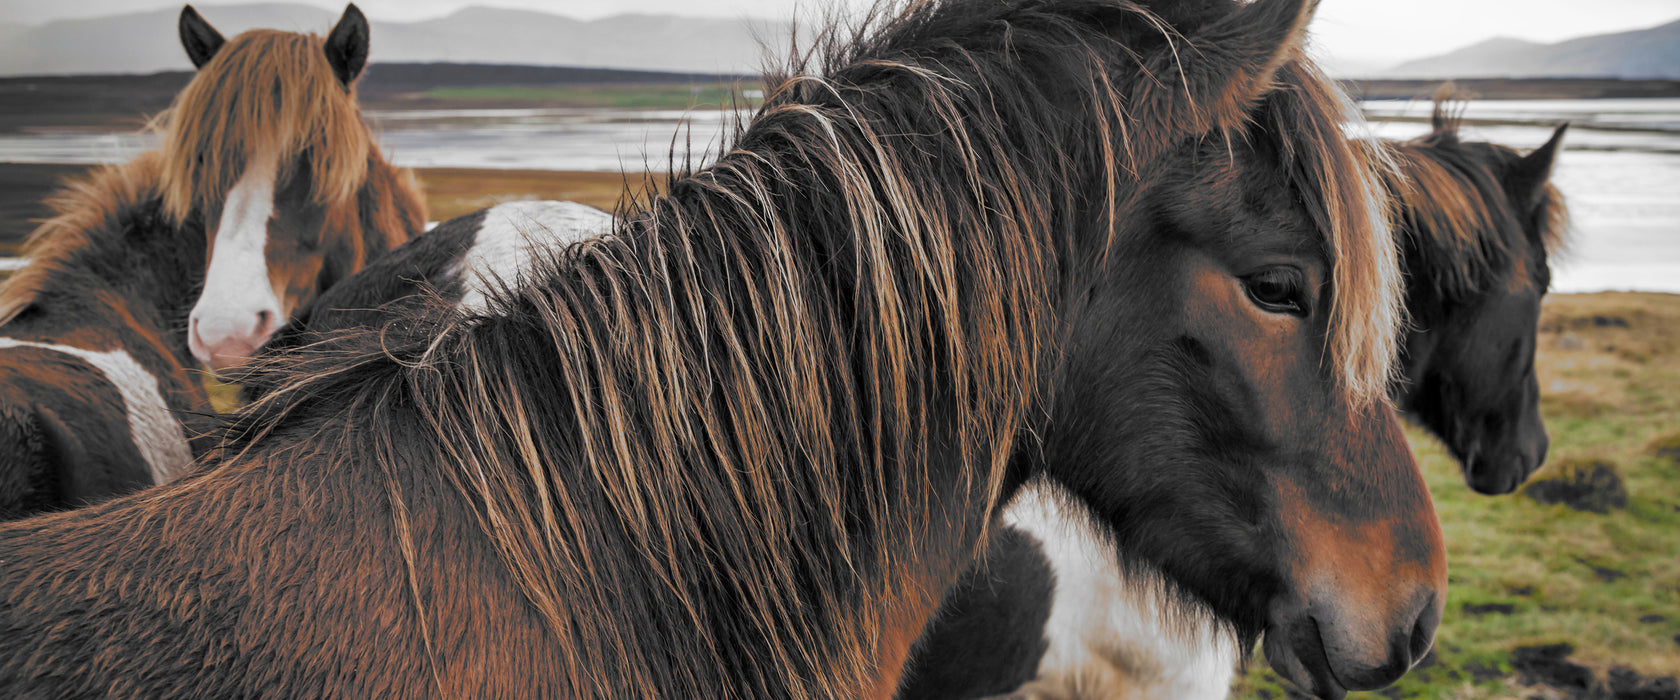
1356, 31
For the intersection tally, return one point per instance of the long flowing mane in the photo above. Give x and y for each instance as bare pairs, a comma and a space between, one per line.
1456, 216
693, 443
84, 210
271, 93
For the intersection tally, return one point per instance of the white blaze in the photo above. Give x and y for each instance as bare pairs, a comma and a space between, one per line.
238, 309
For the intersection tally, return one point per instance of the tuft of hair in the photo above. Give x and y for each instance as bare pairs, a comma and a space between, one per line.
1341, 181
267, 93
84, 208
1453, 213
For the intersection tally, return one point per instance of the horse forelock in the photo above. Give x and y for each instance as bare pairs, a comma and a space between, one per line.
1341, 181
266, 94
1459, 220
731, 410
1447, 116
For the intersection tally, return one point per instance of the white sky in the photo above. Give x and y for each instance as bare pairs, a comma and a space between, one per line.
1353, 31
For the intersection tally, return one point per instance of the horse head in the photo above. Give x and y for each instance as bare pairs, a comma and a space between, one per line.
267, 145
1221, 405
1477, 222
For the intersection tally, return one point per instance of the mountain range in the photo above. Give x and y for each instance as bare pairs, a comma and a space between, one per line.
1638, 54
146, 42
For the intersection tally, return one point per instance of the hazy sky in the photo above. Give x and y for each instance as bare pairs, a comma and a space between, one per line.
1345, 30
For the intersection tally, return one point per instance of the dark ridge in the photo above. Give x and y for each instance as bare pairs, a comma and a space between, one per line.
126, 101
1515, 88
420, 76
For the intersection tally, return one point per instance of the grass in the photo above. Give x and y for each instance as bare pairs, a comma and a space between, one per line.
629, 96
1609, 369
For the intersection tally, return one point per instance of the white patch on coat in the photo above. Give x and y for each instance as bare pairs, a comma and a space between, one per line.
237, 289
509, 237
1114, 634
156, 433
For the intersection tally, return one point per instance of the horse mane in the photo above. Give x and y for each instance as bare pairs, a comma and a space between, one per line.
85, 210
755, 377
1454, 215
1341, 184
266, 93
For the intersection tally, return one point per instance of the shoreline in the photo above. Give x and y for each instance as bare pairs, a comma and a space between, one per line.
449, 192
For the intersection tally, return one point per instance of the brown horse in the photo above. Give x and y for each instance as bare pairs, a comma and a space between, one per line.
270, 148
1061, 611
740, 446
267, 173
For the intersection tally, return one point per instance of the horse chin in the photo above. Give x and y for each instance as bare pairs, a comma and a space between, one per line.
1491, 479
225, 358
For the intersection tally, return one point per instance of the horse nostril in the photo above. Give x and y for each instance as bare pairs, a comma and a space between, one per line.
1423, 629
265, 322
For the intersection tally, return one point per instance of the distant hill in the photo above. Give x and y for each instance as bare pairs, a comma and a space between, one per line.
146, 42
125, 101
1638, 54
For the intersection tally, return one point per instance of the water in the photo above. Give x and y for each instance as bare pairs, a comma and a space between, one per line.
602, 140
1619, 172
1620, 169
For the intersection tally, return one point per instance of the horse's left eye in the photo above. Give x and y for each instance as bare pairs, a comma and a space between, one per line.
1278, 290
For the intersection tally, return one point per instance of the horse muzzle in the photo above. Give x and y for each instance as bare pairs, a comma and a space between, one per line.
224, 340
1328, 651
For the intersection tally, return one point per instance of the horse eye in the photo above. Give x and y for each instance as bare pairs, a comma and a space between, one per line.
1277, 290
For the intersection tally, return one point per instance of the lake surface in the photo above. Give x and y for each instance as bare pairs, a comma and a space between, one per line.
1620, 169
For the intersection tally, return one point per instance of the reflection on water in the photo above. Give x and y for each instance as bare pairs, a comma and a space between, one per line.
1660, 114
1620, 170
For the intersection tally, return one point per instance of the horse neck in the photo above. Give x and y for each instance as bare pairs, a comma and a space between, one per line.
390, 208
832, 353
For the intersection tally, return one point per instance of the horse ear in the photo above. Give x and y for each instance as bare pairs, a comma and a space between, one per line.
201, 40
1230, 63
347, 45
1530, 173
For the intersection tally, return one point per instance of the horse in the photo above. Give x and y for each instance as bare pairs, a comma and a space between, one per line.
266, 172
1057, 611
739, 446
1478, 221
